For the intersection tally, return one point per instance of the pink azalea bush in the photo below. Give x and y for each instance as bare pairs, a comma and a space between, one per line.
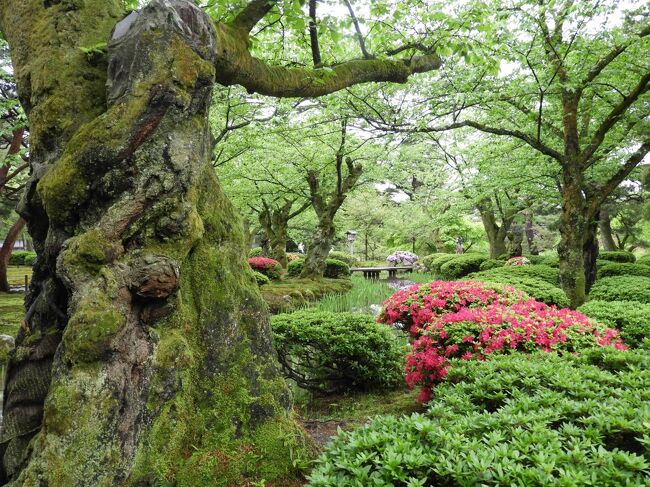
472, 320
517, 261
271, 268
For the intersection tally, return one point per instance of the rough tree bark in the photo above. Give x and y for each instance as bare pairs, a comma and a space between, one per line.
326, 206
530, 234
496, 233
275, 222
606, 234
145, 356
6, 250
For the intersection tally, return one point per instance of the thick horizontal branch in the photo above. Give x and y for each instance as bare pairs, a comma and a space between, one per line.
235, 65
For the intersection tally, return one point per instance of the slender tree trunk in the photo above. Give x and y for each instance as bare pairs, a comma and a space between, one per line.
145, 357
605, 226
6, 250
496, 234
590, 250
530, 235
365, 251
573, 228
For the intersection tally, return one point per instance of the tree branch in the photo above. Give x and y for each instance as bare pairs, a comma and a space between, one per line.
613, 117
313, 34
252, 14
357, 28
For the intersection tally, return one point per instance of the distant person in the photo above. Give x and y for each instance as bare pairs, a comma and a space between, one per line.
301, 248
459, 245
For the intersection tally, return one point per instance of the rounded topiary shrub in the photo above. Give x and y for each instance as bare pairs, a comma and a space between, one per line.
543, 272
256, 252
461, 265
609, 268
630, 317
644, 259
428, 259
330, 352
29, 259
336, 269
271, 268
261, 279
294, 268
291, 256
536, 420
349, 259
491, 264
435, 263
617, 256
621, 288
552, 260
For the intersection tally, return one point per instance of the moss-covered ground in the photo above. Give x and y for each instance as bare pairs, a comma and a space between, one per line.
16, 274
290, 294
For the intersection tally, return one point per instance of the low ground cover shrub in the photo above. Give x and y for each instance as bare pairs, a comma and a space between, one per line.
621, 288
349, 259
539, 271
630, 317
260, 278
461, 265
330, 352
517, 261
491, 264
552, 260
617, 256
256, 252
22, 257
473, 320
294, 267
271, 268
609, 268
336, 269
644, 259
514, 420
402, 257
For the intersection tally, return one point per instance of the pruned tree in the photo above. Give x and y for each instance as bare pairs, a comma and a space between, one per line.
145, 356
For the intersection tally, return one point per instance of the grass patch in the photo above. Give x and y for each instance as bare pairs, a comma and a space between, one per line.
363, 294
12, 312
16, 274
290, 294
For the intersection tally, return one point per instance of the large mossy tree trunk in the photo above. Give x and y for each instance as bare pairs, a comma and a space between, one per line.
145, 356
147, 352
496, 233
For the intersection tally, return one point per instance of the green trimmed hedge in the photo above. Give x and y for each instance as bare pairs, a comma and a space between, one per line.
621, 288
349, 259
22, 257
492, 264
510, 420
461, 265
261, 279
330, 352
336, 269
631, 317
534, 287
434, 261
540, 271
617, 256
644, 259
609, 268
256, 252
294, 267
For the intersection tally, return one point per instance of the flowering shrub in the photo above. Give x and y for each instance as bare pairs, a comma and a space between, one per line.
517, 261
271, 268
402, 257
471, 320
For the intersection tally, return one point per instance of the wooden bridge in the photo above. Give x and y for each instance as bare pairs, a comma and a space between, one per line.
373, 272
